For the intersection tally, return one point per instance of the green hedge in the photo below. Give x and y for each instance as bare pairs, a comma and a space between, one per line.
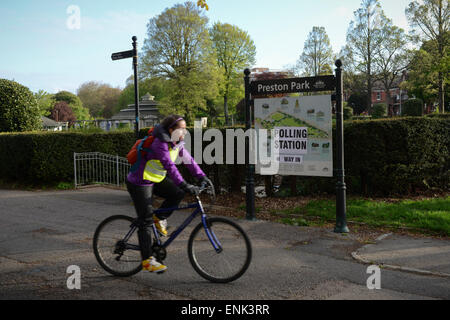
37, 158
382, 157
413, 108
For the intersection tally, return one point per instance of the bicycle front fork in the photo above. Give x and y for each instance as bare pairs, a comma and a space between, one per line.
210, 233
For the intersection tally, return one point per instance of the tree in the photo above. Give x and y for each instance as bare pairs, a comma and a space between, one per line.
74, 103
413, 108
358, 102
100, 99
317, 56
364, 37
19, 111
45, 102
62, 112
235, 51
423, 76
392, 57
158, 87
430, 20
202, 4
179, 50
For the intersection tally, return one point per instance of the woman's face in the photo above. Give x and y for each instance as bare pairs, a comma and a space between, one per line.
179, 132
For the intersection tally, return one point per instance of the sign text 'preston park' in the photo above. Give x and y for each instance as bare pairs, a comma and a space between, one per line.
293, 85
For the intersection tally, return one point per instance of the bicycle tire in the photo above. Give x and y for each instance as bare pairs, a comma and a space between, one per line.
208, 263
115, 236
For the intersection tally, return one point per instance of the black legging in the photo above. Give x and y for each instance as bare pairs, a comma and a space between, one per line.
143, 199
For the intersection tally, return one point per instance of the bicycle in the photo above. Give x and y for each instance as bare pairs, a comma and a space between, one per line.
219, 250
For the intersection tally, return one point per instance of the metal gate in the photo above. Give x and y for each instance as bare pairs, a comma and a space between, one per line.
99, 168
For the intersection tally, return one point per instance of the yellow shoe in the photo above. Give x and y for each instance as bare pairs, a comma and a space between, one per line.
151, 265
161, 225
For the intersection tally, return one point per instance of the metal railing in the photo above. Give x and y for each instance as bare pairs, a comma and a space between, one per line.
99, 168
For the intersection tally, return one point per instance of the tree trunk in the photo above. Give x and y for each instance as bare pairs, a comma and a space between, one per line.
268, 182
441, 93
225, 106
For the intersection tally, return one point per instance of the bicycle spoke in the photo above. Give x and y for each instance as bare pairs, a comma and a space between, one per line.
229, 263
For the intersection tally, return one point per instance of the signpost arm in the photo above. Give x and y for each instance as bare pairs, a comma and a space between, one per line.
136, 84
250, 179
341, 220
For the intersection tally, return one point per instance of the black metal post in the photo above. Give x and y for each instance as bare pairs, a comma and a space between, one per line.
341, 202
136, 84
250, 179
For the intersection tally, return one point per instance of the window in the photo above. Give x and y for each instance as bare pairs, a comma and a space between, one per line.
378, 96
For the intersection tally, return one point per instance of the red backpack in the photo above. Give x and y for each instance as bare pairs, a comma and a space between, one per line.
139, 151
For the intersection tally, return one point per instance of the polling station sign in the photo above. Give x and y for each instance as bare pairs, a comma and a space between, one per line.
299, 135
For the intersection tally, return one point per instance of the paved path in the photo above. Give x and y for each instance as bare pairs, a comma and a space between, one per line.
42, 233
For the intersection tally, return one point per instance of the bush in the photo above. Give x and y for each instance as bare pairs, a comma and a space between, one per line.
37, 158
348, 113
382, 157
379, 111
19, 111
413, 108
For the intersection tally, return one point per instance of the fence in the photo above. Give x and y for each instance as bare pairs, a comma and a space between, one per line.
99, 168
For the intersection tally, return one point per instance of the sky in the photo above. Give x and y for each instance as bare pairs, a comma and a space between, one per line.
44, 48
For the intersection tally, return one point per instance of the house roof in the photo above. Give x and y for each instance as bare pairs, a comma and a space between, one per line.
47, 122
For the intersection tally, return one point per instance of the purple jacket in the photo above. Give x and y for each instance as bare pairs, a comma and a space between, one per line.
160, 151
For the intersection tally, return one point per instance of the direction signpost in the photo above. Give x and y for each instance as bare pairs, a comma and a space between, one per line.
316, 117
132, 54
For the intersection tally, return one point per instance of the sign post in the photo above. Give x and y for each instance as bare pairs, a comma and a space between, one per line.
250, 179
301, 133
132, 54
341, 221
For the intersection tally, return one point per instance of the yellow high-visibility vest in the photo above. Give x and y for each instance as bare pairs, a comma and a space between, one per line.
154, 170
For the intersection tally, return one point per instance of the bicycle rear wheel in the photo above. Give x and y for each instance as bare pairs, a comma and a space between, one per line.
228, 263
116, 246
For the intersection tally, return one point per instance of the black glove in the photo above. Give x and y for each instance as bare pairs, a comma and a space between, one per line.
189, 188
205, 182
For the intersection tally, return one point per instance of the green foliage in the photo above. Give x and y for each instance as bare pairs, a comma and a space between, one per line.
45, 102
100, 99
19, 110
358, 102
317, 57
235, 51
413, 108
429, 20
400, 156
74, 103
379, 111
348, 113
432, 215
382, 157
178, 48
157, 87
48, 157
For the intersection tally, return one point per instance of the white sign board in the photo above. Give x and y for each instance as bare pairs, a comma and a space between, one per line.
300, 134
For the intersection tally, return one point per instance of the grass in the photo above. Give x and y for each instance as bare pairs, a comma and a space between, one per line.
430, 215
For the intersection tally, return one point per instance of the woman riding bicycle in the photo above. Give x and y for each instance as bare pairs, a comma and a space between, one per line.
159, 175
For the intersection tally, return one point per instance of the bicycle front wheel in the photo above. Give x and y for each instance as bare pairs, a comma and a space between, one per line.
116, 246
222, 253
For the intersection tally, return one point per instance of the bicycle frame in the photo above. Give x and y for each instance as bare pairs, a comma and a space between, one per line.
198, 209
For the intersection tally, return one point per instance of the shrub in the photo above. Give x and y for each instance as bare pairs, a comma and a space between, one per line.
382, 157
348, 113
19, 111
379, 111
413, 108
